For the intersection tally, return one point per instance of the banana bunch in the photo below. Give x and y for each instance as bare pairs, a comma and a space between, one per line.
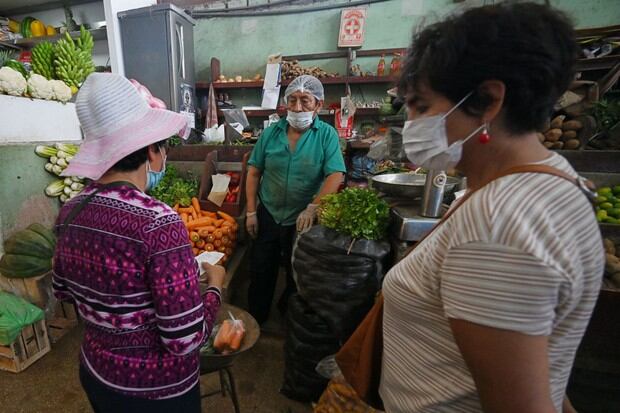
43, 60
73, 63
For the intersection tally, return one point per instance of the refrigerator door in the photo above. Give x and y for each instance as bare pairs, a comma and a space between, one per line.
182, 64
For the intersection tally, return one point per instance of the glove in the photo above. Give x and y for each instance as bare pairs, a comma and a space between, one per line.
306, 218
251, 224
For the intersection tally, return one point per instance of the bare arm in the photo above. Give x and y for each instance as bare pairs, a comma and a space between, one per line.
567, 406
251, 187
330, 186
510, 369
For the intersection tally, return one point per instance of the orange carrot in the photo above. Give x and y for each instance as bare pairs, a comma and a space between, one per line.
196, 205
176, 207
205, 231
208, 214
200, 243
218, 222
184, 218
226, 216
200, 222
194, 213
187, 210
194, 236
196, 251
209, 247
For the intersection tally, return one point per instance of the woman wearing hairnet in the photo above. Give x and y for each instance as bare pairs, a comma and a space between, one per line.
295, 163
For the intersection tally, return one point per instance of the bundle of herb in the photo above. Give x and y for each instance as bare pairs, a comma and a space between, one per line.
356, 212
174, 189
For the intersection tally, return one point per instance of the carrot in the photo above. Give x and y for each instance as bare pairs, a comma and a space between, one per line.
223, 336
229, 251
218, 222
218, 234
208, 214
184, 218
200, 243
205, 231
209, 247
190, 219
187, 210
235, 342
226, 240
200, 222
176, 207
196, 251
194, 236
196, 205
217, 243
227, 224
222, 249
226, 216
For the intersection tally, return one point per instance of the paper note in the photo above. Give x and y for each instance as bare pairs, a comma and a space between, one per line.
212, 257
270, 98
272, 76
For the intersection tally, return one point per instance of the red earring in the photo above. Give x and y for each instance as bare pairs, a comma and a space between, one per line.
484, 136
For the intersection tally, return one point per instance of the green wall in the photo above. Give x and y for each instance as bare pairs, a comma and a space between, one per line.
22, 184
243, 43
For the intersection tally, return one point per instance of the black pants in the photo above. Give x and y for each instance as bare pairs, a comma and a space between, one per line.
273, 245
104, 400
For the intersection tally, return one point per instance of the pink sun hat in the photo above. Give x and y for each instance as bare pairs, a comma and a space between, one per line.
117, 121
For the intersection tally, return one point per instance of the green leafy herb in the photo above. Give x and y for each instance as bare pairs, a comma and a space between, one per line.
357, 212
174, 189
607, 114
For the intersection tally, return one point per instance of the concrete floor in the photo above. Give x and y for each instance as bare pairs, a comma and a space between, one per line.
52, 383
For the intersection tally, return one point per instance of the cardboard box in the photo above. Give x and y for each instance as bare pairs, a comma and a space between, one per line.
230, 159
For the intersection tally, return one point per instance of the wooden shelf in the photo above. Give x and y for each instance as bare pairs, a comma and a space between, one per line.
28, 42
325, 81
263, 113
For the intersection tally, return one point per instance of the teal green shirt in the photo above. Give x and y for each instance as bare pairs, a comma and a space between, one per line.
290, 180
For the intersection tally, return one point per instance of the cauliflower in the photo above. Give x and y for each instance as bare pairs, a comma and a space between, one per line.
62, 92
12, 82
39, 87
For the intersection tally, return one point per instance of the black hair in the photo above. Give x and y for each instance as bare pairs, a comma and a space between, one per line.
530, 47
134, 160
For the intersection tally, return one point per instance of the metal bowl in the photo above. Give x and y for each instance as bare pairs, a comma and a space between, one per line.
406, 185
214, 362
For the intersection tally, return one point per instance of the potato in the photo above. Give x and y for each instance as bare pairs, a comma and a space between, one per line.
610, 247
548, 144
553, 135
222, 77
231, 80
572, 125
557, 121
572, 144
238, 78
568, 135
557, 145
612, 264
541, 137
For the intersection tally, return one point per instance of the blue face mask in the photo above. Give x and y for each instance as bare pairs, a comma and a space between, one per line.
154, 178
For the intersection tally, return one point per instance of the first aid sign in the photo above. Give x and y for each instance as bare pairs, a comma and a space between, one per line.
352, 27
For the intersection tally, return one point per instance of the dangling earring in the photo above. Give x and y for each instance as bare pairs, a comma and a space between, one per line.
484, 137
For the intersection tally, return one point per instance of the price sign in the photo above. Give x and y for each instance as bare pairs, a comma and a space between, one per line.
352, 27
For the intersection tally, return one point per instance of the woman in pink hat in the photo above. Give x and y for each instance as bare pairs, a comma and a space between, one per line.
124, 258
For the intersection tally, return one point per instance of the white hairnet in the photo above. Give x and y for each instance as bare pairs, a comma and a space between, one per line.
306, 84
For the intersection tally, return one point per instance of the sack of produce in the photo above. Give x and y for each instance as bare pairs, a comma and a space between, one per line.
338, 276
15, 314
308, 341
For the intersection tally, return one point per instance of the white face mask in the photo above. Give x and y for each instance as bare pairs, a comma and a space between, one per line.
425, 141
300, 120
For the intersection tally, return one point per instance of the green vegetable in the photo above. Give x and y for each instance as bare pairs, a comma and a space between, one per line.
24, 27
357, 212
73, 63
15, 65
55, 188
174, 189
45, 151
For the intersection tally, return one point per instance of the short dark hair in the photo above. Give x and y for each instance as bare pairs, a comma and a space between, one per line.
133, 161
530, 47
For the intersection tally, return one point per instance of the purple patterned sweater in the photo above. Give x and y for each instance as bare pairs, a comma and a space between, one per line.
126, 261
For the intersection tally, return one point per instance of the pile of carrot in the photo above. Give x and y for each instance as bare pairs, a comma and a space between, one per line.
209, 231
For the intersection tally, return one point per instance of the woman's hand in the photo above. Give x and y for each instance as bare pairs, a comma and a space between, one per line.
216, 274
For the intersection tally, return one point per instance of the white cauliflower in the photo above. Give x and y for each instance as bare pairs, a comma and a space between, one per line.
12, 82
62, 92
39, 87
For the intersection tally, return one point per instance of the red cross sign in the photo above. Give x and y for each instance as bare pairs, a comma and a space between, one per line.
352, 27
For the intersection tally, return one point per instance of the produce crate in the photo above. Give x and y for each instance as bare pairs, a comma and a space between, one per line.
230, 159
64, 320
36, 290
32, 344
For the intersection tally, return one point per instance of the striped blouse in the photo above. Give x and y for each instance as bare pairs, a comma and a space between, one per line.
523, 254
126, 261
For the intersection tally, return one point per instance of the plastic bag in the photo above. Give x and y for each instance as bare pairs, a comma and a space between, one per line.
229, 336
337, 277
308, 341
15, 314
379, 150
236, 116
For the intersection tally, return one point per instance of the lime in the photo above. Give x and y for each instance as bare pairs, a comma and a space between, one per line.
614, 212
604, 191
601, 215
617, 205
610, 220
616, 190
607, 205
600, 199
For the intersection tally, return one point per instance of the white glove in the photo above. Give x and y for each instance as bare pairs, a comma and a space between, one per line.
305, 220
251, 224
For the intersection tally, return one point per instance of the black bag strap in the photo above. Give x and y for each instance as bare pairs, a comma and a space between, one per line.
79, 207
